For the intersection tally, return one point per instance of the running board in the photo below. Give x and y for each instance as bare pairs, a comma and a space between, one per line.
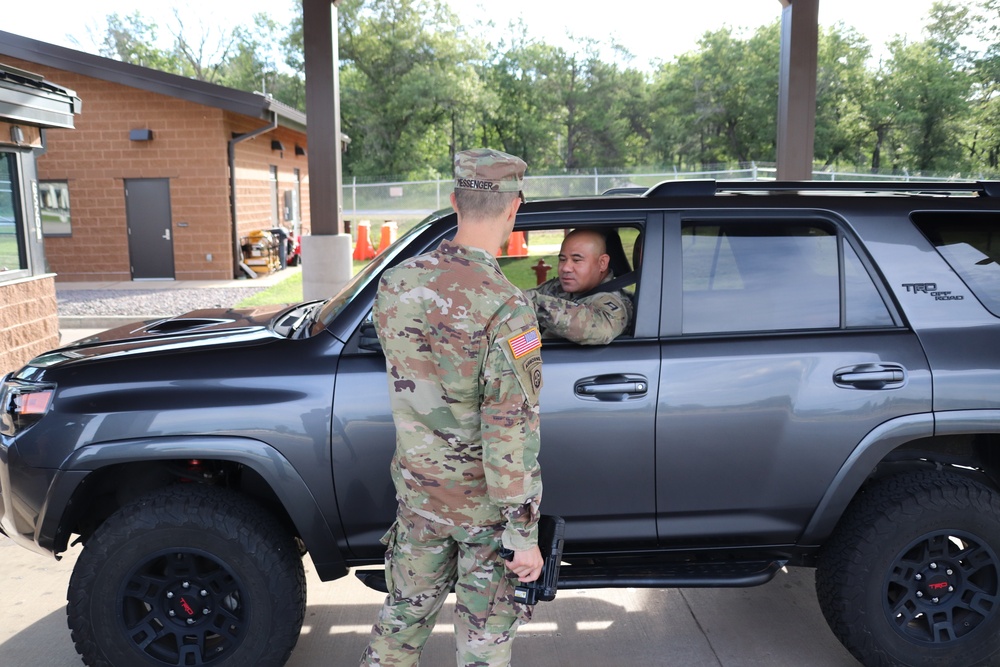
679, 575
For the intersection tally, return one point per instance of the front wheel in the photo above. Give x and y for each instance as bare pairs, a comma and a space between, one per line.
190, 575
911, 576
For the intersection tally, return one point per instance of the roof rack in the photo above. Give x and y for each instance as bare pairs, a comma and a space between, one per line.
709, 188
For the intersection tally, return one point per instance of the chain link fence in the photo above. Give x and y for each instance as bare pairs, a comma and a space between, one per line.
420, 198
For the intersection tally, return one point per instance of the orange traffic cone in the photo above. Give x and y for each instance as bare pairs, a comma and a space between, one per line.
363, 249
388, 235
516, 245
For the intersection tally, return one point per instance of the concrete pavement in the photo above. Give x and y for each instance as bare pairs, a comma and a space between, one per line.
262, 281
103, 322
775, 625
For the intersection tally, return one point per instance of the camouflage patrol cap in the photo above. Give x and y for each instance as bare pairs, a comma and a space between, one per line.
487, 169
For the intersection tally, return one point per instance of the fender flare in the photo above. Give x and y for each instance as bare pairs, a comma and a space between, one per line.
876, 445
859, 465
320, 535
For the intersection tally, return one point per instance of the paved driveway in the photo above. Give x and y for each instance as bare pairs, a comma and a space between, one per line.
775, 625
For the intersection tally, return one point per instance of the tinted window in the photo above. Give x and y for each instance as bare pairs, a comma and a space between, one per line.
13, 256
970, 243
768, 276
865, 307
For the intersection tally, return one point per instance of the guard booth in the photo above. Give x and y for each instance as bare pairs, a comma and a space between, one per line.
29, 321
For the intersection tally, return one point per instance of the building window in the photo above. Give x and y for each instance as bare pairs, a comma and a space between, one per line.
54, 203
13, 254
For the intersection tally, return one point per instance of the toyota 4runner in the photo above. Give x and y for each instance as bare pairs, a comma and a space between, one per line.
812, 378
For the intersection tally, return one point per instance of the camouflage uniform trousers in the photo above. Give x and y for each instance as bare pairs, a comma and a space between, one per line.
423, 560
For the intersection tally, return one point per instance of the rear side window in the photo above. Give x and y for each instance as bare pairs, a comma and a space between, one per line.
774, 276
970, 243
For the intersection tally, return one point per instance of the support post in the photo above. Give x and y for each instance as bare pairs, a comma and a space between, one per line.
797, 89
326, 257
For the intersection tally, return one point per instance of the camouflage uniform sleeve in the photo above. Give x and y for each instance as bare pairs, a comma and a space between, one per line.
512, 380
596, 320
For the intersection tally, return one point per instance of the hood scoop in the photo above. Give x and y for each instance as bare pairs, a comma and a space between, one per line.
184, 324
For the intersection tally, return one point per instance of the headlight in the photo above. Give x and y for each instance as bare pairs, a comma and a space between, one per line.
22, 404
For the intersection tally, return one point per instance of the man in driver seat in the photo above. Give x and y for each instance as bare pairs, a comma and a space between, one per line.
571, 305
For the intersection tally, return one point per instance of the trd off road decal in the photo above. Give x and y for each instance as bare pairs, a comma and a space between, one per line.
932, 290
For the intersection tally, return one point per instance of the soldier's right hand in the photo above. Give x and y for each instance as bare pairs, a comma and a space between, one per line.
527, 565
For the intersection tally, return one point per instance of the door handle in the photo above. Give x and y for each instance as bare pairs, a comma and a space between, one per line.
613, 388
870, 376
617, 387
166, 233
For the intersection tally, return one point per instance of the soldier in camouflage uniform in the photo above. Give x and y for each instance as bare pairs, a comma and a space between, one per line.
563, 305
463, 357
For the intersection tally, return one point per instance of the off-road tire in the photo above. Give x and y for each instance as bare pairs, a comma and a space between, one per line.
189, 575
911, 576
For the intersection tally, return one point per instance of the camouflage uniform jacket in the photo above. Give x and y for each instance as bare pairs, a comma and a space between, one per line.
592, 320
463, 357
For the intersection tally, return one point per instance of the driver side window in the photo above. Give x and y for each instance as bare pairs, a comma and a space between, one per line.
531, 259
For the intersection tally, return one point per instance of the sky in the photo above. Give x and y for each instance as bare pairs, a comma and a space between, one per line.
670, 28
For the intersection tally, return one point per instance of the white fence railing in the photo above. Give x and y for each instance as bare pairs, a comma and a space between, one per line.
419, 198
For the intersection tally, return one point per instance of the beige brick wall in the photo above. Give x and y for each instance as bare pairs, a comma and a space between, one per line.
29, 324
254, 158
189, 147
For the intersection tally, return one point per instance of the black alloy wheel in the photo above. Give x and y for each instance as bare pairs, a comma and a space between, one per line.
190, 575
942, 587
184, 607
911, 575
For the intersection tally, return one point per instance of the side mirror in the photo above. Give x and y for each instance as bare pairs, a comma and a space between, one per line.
369, 339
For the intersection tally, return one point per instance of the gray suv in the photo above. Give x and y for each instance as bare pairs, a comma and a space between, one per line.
812, 379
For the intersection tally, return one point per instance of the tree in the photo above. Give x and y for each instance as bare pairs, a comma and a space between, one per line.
251, 64
982, 136
240, 58
525, 119
130, 39
719, 104
931, 97
407, 79
417, 86
842, 81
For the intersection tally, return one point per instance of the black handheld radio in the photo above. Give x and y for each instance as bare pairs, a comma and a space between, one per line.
550, 543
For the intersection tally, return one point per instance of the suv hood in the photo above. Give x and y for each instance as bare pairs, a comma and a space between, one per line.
211, 321
199, 328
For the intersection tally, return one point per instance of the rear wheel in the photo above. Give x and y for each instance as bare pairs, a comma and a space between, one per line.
190, 575
911, 576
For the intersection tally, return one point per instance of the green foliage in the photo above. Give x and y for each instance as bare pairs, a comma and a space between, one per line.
288, 290
131, 38
407, 86
930, 96
417, 86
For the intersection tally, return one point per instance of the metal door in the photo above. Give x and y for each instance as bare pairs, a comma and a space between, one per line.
150, 242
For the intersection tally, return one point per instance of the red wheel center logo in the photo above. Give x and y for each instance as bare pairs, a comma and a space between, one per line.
186, 607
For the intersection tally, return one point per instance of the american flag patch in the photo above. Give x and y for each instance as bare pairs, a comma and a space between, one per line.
525, 343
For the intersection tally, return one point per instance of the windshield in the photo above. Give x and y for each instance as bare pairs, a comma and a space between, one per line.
332, 308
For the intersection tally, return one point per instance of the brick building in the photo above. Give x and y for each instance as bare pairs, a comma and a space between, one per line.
163, 176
